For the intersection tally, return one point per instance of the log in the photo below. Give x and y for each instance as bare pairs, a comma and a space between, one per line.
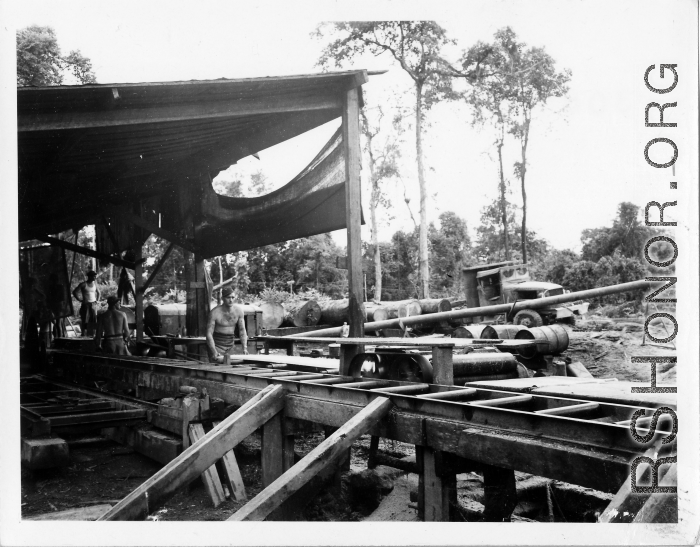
273, 314
369, 309
397, 309
198, 457
325, 454
435, 305
337, 312
305, 313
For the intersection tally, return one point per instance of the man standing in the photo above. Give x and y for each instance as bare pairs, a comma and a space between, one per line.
113, 328
87, 293
221, 326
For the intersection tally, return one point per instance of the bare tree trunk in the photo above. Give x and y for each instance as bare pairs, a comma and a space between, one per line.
502, 190
523, 169
423, 230
373, 219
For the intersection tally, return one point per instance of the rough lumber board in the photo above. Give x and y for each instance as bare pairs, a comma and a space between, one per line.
152, 443
658, 506
193, 461
233, 474
210, 475
438, 489
318, 459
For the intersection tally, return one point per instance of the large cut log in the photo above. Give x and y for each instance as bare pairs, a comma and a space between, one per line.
336, 312
200, 456
397, 309
305, 313
325, 454
434, 305
369, 308
273, 314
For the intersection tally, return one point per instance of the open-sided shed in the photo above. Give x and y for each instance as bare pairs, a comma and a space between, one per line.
136, 159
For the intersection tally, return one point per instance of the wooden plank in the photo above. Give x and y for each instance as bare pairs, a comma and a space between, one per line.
112, 416
193, 461
365, 385
332, 380
275, 450
657, 504
210, 475
325, 362
232, 474
319, 458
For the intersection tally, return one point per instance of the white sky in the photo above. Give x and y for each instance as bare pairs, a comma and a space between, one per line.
584, 153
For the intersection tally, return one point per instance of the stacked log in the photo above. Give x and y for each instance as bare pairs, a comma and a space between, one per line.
397, 309
336, 312
273, 315
305, 313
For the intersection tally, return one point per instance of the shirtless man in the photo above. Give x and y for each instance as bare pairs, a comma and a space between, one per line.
221, 325
113, 328
87, 293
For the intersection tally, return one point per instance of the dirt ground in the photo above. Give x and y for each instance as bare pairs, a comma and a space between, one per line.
103, 472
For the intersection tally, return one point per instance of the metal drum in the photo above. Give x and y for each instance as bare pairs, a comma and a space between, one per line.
502, 332
556, 336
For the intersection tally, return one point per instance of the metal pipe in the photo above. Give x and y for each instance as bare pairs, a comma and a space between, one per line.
488, 310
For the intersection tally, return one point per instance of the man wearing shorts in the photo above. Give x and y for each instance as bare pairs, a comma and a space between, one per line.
221, 326
87, 293
113, 329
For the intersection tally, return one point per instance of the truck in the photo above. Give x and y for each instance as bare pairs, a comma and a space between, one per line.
509, 282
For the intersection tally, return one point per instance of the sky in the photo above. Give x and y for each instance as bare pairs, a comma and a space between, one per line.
584, 154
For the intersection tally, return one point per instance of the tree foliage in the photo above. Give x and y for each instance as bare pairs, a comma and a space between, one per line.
40, 63
416, 46
507, 82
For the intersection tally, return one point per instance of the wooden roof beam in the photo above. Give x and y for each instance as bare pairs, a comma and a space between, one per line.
86, 251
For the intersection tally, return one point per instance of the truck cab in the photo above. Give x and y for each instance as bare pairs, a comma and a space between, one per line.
509, 282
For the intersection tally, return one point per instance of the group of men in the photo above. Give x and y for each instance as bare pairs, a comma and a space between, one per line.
111, 328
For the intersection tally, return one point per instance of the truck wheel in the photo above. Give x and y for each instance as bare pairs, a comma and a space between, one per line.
528, 318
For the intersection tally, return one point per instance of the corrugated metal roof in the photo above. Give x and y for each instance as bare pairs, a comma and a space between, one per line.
86, 150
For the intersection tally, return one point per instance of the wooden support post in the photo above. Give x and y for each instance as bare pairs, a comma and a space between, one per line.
314, 462
193, 461
442, 365
351, 142
439, 486
420, 462
373, 449
500, 496
210, 476
277, 449
138, 291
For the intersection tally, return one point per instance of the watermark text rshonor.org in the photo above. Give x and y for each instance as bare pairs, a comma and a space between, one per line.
654, 117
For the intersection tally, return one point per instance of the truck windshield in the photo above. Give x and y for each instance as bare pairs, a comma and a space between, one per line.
554, 292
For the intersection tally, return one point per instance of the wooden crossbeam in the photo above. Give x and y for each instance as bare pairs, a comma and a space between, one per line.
451, 395
504, 401
314, 462
406, 390
569, 410
193, 461
210, 476
85, 251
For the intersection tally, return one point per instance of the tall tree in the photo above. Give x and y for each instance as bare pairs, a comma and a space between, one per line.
383, 165
40, 63
509, 82
416, 47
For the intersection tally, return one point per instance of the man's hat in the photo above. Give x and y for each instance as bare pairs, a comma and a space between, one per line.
111, 300
226, 291
91, 274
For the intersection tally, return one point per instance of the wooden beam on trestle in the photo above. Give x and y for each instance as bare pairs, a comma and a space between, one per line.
353, 219
210, 476
314, 462
193, 461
